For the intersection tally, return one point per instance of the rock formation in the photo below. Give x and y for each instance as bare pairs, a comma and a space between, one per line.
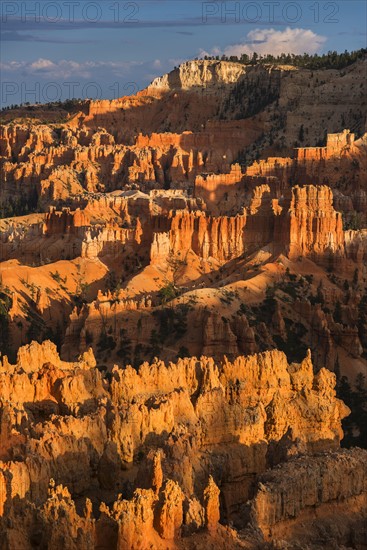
66, 422
286, 497
312, 225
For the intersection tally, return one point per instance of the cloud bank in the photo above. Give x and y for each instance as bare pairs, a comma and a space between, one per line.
275, 42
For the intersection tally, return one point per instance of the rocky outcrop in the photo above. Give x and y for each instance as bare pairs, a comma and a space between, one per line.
356, 245
340, 164
142, 221
163, 235
65, 421
214, 189
304, 224
194, 74
309, 225
64, 222
76, 161
220, 238
77, 389
298, 501
336, 145
211, 503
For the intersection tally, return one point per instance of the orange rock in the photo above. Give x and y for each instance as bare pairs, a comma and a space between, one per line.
211, 504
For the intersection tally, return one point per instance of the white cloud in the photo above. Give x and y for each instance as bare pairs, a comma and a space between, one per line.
12, 66
62, 69
42, 64
275, 42
45, 80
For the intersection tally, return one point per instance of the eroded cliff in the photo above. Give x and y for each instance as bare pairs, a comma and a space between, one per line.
183, 443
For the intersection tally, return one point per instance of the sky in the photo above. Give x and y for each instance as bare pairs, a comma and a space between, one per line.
57, 50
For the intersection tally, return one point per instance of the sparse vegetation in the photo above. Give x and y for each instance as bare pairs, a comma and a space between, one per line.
294, 348
167, 293
355, 396
329, 60
57, 277
5, 305
106, 342
172, 322
124, 350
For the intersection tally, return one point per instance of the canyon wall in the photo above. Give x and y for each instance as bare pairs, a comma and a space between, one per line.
299, 500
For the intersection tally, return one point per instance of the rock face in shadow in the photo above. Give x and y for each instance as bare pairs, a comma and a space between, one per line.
215, 428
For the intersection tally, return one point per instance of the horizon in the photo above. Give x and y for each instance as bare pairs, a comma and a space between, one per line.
217, 59
105, 50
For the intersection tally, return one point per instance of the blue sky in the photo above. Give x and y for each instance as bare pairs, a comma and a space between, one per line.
60, 49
